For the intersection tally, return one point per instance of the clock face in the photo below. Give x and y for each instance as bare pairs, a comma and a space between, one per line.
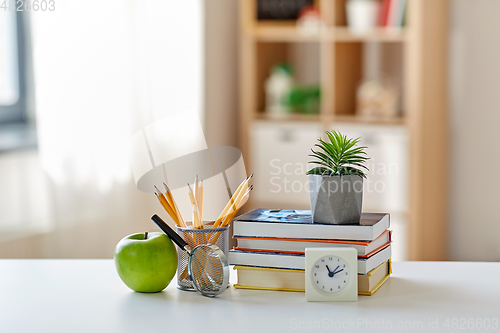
330, 274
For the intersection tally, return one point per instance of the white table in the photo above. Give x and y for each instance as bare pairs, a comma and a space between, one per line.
88, 296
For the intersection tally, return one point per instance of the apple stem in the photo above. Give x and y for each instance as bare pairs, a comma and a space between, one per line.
145, 235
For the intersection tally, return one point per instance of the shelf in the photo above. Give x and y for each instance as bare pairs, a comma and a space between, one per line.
278, 33
338, 55
288, 117
289, 33
368, 120
343, 34
336, 119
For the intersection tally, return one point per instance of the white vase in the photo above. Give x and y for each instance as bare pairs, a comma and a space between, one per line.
277, 86
362, 15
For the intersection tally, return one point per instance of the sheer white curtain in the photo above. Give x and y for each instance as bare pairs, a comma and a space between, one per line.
104, 69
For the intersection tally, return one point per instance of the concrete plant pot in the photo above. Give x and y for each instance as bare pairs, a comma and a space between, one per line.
336, 200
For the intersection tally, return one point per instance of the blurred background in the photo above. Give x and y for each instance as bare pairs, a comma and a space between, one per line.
417, 80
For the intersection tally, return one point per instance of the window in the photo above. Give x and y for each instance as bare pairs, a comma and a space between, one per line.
16, 132
12, 88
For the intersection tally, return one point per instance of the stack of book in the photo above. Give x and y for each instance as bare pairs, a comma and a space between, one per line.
270, 254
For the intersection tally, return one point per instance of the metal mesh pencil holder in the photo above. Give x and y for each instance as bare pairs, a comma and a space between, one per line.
194, 237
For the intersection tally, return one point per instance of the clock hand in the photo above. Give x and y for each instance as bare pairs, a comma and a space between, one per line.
330, 273
338, 271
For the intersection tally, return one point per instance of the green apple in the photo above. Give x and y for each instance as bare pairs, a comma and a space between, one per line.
146, 262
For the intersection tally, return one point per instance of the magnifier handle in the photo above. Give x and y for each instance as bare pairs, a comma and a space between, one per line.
169, 231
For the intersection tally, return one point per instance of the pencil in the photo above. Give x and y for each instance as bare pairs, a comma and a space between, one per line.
196, 191
235, 207
237, 197
231, 201
200, 200
230, 217
167, 207
173, 204
245, 198
196, 220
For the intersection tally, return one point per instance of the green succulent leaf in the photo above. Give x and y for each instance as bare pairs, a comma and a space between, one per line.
339, 157
320, 171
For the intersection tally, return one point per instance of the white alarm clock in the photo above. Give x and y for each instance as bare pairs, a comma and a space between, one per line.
331, 274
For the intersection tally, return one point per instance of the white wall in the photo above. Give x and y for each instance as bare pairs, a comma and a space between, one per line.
474, 222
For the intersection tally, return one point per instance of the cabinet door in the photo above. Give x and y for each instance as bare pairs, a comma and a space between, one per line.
279, 155
386, 186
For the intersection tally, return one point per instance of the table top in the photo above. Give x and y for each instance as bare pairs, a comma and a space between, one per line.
88, 296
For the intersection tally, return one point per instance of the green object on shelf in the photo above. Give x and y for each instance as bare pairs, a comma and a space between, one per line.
283, 67
304, 99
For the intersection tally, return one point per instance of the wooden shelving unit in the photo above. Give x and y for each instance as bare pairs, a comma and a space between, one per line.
424, 106
342, 34
365, 120
287, 33
288, 117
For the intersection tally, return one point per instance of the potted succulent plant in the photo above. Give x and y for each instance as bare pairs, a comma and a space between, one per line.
336, 185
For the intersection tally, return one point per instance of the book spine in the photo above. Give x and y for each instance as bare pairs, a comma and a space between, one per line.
270, 251
275, 230
393, 13
312, 240
384, 13
402, 10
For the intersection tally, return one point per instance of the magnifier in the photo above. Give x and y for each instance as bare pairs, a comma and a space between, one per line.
207, 265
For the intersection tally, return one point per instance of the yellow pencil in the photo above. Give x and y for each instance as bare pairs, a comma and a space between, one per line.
230, 217
196, 218
173, 204
167, 207
245, 198
244, 184
236, 207
200, 200
196, 192
196, 223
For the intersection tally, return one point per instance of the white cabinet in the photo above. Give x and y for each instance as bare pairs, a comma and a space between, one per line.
386, 186
279, 155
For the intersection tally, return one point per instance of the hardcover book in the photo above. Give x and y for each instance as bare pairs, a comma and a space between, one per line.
294, 280
297, 261
286, 223
299, 245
